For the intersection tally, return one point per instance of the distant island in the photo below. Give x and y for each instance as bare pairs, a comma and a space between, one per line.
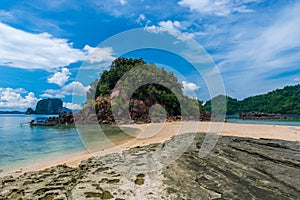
284, 101
48, 107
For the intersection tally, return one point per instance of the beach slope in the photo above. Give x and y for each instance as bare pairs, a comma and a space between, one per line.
237, 168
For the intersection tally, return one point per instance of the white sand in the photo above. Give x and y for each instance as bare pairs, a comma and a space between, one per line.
161, 132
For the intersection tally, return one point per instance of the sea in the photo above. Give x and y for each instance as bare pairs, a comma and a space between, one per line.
293, 121
21, 144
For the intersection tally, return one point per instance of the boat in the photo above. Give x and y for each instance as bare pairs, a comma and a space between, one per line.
43, 121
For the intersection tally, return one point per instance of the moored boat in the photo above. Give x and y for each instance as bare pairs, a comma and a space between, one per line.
43, 121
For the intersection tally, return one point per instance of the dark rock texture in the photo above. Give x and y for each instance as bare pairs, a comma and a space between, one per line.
138, 112
30, 111
49, 106
262, 116
237, 168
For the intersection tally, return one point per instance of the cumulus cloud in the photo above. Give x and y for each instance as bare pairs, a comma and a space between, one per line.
35, 51
26, 50
188, 86
73, 88
219, 8
172, 27
16, 99
72, 106
60, 77
99, 55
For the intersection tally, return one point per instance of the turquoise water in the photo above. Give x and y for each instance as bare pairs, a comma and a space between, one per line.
21, 144
270, 122
24, 145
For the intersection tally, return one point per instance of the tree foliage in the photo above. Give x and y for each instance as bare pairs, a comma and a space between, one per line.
280, 101
166, 90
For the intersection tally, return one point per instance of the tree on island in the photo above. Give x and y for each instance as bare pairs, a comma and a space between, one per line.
167, 92
279, 101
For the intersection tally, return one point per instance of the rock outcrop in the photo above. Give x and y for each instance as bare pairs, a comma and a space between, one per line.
30, 111
262, 116
237, 168
49, 106
138, 112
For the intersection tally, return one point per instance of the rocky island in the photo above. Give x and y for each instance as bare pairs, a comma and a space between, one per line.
48, 107
107, 92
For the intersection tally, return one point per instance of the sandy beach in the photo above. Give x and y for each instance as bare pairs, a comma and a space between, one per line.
161, 132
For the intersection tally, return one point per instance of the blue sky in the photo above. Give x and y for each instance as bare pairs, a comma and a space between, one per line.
254, 43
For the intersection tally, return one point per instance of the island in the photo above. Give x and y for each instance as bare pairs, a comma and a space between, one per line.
50, 106
278, 104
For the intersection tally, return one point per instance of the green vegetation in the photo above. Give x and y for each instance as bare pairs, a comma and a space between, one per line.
280, 101
166, 90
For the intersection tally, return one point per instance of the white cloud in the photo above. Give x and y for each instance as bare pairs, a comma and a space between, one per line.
268, 50
73, 88
172, 27
219, 8
175, 25
123, 2
188, 86
5, 14
99, 55
35, 51
60, 78
256, 52
72, 106
296, 79
12, 99
140, 19
169, 26
50, 93
26, 50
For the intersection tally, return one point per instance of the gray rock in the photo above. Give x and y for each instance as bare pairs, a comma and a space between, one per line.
237, 168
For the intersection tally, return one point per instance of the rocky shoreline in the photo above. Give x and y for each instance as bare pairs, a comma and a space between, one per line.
103, 115
237, 168
263, 116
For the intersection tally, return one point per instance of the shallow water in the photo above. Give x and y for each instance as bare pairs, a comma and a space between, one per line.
22, 145
25, 145
270, 122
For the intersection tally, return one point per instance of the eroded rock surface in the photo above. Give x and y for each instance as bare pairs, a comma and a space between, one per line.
237, 168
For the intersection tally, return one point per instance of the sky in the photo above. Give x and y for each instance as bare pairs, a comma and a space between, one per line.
255, 44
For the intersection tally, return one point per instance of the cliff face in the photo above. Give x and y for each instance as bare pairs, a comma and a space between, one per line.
49, 106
